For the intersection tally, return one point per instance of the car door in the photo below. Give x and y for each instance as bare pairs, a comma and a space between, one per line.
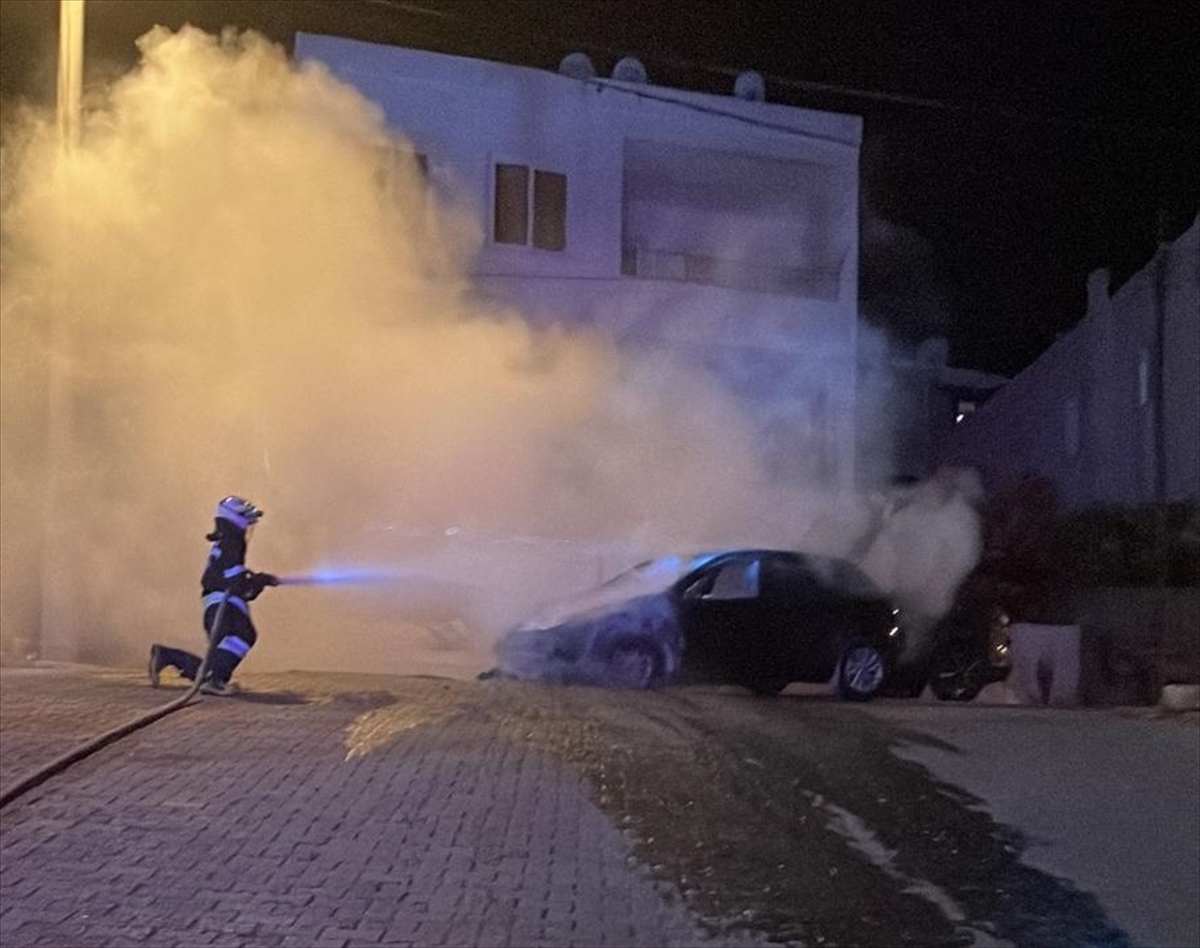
793, 617
720, 618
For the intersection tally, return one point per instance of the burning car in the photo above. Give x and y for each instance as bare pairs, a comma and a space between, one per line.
757, 618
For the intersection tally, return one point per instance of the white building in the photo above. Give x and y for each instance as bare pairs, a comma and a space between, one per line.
722, 227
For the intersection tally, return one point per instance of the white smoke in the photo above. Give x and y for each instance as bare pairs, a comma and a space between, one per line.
925, 539
209, 296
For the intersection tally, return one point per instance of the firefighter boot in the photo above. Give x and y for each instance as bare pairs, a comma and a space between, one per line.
156, 665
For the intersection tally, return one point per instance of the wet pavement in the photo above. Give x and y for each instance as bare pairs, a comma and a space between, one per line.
323, 809
312, 810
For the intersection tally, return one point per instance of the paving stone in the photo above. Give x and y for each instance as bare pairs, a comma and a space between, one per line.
256, 823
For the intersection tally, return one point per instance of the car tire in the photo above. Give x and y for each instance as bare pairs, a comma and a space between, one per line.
861, 672
954, 675
634, 663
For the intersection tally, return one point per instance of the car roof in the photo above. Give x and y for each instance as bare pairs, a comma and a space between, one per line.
831, 571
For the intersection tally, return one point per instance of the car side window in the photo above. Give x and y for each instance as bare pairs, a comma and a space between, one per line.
733, 581
700, 587
790, 578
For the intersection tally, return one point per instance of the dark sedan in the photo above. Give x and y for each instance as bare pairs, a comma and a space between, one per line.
757, 618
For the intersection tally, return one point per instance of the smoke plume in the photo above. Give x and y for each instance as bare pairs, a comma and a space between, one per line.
209, 296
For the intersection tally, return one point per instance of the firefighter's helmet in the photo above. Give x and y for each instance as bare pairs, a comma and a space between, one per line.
239, 512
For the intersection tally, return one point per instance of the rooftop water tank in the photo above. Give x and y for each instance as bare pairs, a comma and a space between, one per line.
749, 85
630, 69
577, 66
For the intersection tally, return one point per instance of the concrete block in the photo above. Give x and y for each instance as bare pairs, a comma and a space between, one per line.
1045, 663
1180, 698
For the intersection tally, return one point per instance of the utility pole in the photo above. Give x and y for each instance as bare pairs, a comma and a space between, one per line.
70, 71
55, 638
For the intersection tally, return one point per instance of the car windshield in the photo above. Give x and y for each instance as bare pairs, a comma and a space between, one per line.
653, 575
648, 577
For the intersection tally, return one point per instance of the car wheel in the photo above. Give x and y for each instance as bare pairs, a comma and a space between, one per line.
634, 663
861, 672
954, 676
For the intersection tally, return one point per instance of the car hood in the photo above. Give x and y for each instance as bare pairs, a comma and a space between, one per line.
647, 578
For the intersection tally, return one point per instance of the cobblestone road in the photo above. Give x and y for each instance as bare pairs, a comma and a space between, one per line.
312, 811
327, 809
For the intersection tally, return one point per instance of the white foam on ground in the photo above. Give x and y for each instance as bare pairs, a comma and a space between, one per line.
863, 840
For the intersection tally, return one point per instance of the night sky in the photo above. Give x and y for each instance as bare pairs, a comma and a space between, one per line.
1009, 147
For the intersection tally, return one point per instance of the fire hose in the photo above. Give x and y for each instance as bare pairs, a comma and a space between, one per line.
59, 764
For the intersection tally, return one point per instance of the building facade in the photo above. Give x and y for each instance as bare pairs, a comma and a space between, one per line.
1111, 412
723, 229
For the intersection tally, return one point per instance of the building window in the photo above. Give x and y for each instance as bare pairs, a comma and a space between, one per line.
512, 204
1143, 379
965, 410
518, 205
549, 210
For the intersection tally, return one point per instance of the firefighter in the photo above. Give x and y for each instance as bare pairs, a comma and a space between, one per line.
226, 580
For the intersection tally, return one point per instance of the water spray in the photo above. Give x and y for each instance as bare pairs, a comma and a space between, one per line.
347, 577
